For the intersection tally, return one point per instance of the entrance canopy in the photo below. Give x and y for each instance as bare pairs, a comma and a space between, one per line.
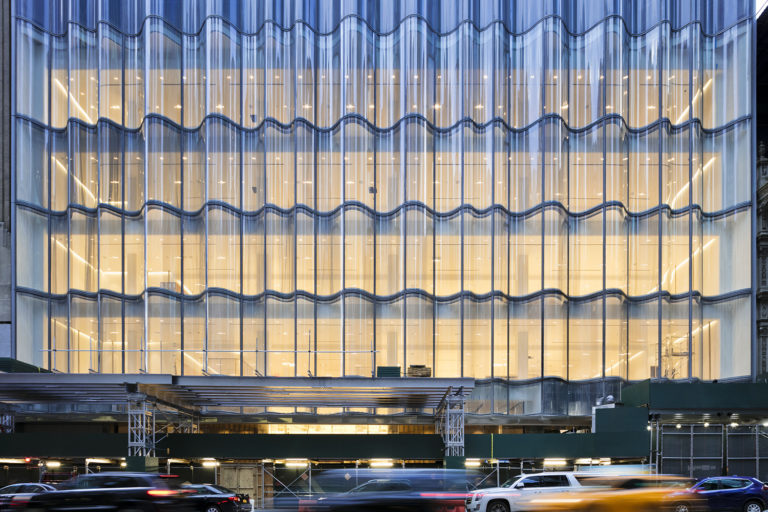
195, 394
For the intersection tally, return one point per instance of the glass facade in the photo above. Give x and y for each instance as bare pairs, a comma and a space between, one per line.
509, 191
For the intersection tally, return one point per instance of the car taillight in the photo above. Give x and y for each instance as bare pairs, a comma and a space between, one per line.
765, 487
159, 493
19, 501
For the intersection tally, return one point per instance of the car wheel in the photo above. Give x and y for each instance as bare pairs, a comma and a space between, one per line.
499, 506
753, 506
681, 507
212, 508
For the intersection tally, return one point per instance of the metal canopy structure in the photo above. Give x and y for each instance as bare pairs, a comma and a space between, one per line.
148, 397
196, 394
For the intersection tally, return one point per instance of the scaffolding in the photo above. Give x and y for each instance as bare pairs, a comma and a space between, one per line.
7, 423
141, 427
450, 422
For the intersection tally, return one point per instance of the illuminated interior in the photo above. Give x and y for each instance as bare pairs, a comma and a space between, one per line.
289, 203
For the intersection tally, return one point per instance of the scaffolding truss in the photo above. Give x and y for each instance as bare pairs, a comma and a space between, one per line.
450, 422
7, 423
141, 427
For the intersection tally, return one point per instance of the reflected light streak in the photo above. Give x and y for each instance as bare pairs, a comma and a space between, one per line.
685, 187
73, 100
695, 98
684, 263
79, 183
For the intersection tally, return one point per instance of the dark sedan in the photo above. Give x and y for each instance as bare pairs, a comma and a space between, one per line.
214, 498
733, 493
114, 491
16, 496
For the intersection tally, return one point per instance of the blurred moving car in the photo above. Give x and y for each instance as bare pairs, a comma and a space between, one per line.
16, 496
639, 493
429, 490
214, 498
734, 493
504, 498
114, 491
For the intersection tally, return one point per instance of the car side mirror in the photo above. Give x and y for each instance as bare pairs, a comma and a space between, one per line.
520, 485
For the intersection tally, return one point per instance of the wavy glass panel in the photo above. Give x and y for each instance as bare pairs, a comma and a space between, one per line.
363, 197
110, 47
111, 252
448, 338
616, 341
329, 243
164, 250
358, 336
110, 166
193, 332
525, 335
329, 345
59, 333
254, 337
320, 17
223, 71
643, 255
280, 255
111, 335
223, 163
32, 82
419, 250
134, 259
164, 71
725, 262
558, 343
281, 341
32, 251
675, 336
83, 347
476, 338
164, 163
134, 172
447, 256
83, 253
223, 347
306, 252
32, 164
163, 335
134, 81
59, 254
525, 255
478, 232
643, 340
359, 250
84, 166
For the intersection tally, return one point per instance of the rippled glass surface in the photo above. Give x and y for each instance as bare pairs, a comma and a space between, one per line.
498, 191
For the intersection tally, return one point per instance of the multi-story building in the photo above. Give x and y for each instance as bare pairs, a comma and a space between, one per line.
504, 191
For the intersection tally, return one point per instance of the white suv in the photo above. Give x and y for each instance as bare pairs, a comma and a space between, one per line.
504, 498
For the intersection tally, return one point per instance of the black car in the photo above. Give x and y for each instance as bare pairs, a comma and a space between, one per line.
214, 498
430, 490
13, 497
114, 491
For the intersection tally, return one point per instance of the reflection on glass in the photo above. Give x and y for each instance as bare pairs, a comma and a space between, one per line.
495, 199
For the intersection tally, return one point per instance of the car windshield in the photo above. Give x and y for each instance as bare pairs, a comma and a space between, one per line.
217, 489
511, 481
